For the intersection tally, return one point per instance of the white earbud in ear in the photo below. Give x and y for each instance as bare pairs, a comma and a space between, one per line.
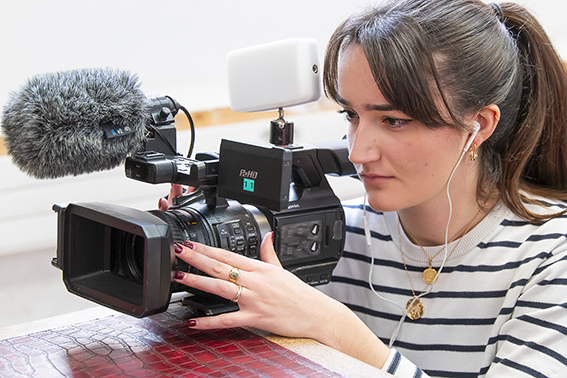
476, 128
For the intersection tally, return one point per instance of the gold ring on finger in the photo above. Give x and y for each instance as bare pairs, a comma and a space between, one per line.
238, 292
233, 275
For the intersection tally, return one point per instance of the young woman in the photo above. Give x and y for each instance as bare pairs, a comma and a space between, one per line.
458, 264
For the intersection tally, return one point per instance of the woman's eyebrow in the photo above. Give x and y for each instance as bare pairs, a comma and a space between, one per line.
380, 108
370, 107
341, 100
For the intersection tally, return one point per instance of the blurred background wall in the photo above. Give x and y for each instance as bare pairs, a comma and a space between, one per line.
178, 48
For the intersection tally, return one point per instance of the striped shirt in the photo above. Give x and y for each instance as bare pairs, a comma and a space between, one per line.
498, 308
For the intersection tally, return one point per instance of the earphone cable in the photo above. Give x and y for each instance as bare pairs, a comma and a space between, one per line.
371, 252
429, 287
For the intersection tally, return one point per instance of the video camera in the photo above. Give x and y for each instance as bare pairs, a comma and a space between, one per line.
124, 258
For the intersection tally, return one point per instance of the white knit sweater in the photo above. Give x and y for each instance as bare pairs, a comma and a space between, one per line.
498, 308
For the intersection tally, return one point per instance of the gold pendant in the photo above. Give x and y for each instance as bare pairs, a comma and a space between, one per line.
415, 309
428, 276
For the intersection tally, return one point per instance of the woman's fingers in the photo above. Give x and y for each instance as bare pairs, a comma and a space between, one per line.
229, 320
176, 190
215, 262
225, 270
231, 259
222, 288
163, 205
269, 297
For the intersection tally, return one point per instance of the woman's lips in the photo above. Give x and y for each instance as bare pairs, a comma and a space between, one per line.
375, 179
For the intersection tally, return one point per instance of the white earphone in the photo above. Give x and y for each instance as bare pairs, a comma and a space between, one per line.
476, 128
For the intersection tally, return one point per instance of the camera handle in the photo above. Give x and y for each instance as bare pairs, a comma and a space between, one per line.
209, 194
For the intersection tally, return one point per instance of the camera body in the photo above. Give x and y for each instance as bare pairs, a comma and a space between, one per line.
287, 187
124, 258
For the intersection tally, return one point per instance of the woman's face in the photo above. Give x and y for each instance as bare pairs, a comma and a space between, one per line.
402, 163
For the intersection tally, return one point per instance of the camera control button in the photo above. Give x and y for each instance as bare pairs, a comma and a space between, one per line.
315, 229
314, 247
240, 244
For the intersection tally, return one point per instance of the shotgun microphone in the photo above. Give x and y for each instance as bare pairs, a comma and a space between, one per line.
75, 122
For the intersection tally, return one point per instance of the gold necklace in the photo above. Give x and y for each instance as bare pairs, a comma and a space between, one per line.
414, 307
429, 274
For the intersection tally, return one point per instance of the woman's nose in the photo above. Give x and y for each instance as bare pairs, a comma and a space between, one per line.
363, 145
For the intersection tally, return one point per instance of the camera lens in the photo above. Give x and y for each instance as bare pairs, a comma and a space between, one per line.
127, 255
135, 257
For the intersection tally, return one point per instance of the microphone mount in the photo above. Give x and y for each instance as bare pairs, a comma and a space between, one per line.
281, 131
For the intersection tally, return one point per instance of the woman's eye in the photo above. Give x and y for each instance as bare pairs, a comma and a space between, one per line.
396, 123
349, 115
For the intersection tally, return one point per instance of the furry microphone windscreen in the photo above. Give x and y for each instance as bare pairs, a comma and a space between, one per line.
53, 125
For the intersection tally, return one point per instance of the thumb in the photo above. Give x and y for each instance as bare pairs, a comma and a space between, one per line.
267, 251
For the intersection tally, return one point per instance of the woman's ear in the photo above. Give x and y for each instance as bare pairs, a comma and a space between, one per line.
488, 118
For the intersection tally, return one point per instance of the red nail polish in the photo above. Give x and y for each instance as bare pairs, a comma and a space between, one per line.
192, 323
179, 275
188, 244
178, 248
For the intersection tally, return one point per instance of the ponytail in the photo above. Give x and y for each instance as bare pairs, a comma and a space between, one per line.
535, 161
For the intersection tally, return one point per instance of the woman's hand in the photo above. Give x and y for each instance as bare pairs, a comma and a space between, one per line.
271, 298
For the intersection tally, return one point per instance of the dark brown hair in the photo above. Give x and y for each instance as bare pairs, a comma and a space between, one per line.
463, 55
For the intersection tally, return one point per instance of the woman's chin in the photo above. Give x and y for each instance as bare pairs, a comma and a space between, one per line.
382, 204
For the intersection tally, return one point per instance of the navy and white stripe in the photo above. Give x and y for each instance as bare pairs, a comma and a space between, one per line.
498, 309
